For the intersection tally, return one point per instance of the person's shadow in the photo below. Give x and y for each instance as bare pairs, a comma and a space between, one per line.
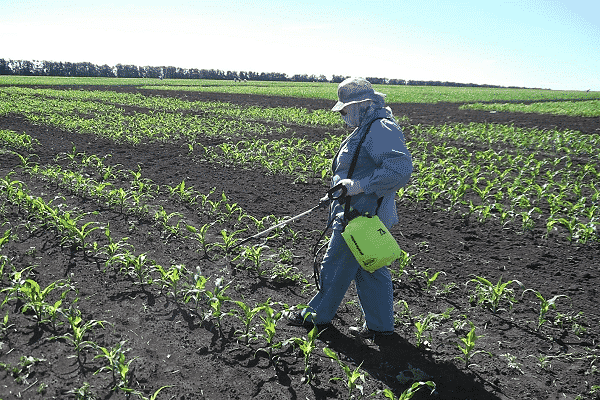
385, 357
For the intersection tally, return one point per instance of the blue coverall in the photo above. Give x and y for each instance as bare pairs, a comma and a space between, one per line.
384, 165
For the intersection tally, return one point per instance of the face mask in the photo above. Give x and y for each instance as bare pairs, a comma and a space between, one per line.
352, 117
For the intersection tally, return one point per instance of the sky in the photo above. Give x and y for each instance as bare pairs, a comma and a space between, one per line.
550, 44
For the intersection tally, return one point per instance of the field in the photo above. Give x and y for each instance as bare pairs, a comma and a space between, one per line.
120, 199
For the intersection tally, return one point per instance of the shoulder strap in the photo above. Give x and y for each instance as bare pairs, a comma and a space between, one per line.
351, 170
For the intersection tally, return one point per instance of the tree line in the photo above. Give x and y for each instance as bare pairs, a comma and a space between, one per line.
86, 69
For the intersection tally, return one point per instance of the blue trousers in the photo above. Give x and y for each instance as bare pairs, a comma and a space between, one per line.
338, 269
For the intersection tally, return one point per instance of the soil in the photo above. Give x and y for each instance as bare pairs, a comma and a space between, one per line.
172, 344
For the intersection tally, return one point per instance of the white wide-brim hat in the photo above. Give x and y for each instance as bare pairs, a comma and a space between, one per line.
356, 90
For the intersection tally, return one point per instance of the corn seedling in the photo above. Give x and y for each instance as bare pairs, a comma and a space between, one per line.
512, 362
254, 254
216, 299
246, 316
196, 291
269, 324
491, 295
5, 326
171, 278
228, 239
308, 346
469, 343
200, 236
544, 305
430, 279
79, 329
34, 299
422, 325
117, 365
135, 266
410, 392
351, 376
83, 393
153, 396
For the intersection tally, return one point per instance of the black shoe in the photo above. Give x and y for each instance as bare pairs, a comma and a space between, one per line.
364, 333
296, 319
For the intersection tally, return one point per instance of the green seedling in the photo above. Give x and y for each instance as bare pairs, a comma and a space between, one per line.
544, 305
254, 254
153, 396
200, 235
351, 376
512, 362
162, 217
269, 324
171, 278
117, 365
135, 266
308, 346
35, 299
79, 329
422, 325
469, 343
216, 299
410, 392
5, 326
17, 280
246, 316
430, 279
228, 239
491, 295
195, 292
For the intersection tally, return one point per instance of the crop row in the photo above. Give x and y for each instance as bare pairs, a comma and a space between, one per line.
507, 187
55, 306
543, 171
395, 93
295, 115
590, 108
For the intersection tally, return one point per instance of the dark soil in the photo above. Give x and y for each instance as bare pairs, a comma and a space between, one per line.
170, 344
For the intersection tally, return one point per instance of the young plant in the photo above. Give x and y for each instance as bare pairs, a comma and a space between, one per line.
422, 325
351, 376
153, 396
196, 292
35, 298
5, 326
117, 365
78, 330
469, 342
308, 346
217, 298
228, 239
200, 235
544, 305
491, 295
410, 392
269, 324
246, 316
171, 278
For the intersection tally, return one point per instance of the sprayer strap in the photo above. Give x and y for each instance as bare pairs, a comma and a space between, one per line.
351, 171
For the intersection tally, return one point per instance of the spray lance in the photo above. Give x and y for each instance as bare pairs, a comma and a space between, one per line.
322, 203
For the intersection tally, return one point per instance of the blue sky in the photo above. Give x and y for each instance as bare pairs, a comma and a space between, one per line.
551, 44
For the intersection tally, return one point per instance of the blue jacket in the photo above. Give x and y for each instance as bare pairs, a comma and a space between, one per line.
384, 166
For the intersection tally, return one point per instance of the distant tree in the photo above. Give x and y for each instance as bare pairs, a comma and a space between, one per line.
4, 70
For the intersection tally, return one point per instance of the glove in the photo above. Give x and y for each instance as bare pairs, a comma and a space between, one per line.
352, 186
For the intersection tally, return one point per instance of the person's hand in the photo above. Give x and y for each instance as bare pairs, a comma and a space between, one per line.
352, 186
